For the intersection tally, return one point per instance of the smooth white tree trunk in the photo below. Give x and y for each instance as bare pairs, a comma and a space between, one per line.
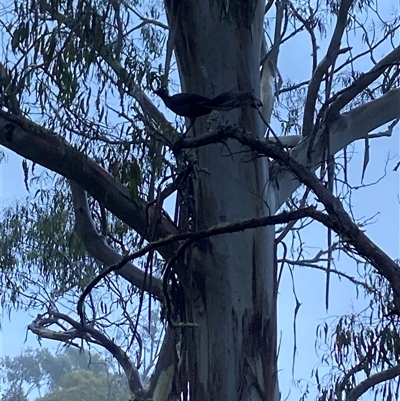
232, 354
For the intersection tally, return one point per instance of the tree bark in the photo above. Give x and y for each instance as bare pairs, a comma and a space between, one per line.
231, 292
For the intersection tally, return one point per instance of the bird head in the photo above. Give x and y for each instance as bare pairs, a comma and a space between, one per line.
162, 92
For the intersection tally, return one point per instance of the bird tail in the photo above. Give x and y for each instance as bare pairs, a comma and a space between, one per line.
232, 100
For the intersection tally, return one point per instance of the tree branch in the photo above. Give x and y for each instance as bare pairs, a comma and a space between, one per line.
310, 29
372, 381
39, 327
321, 70
191, 237
348, 94
99, 249
337, 219
313, 265
349, 127
44, 147
148, 20
106, 54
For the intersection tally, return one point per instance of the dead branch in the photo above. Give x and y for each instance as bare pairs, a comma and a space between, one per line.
322, 69
40, 327
337, 218
191, 237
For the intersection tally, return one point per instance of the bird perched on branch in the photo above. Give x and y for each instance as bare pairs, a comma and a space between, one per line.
192, 105
188, 105
233, 100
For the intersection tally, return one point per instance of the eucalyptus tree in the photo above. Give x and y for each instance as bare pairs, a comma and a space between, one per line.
77, 82
69, 374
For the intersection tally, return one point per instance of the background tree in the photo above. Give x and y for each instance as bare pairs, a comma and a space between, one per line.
65, 376
81, 70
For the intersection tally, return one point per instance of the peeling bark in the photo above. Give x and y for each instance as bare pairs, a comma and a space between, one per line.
232, 279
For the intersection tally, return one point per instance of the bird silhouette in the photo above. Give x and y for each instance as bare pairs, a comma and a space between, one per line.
192, 105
